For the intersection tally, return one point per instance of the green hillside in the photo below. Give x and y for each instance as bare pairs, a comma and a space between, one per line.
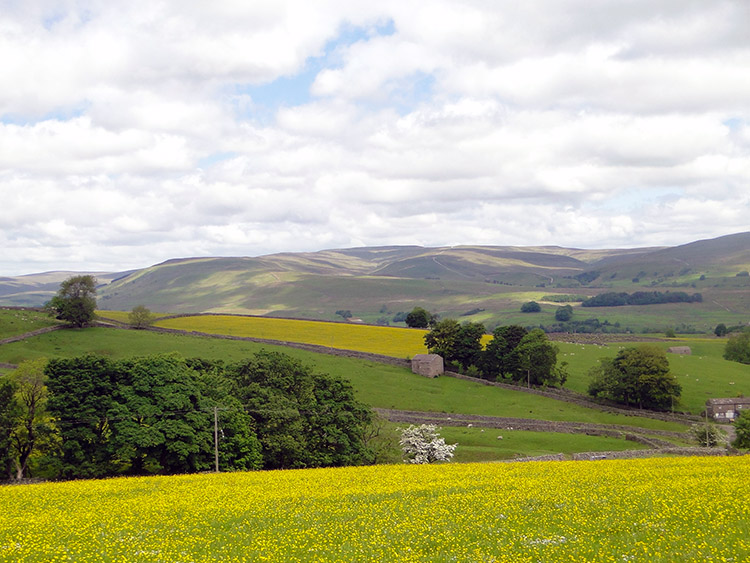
479, 283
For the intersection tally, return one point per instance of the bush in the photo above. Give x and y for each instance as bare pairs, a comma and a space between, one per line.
423, 444
140, 317
707, 435
564, 314
531, 307
742, 428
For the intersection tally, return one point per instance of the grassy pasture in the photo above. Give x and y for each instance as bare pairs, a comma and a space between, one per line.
704, 374
15, 321
482, 444
376, 384
656, 510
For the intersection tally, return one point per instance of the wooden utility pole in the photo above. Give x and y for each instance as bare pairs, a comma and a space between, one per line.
216, 439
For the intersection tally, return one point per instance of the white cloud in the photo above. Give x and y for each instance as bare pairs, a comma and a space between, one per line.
129, 133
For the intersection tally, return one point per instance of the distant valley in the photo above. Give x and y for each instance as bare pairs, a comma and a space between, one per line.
479, 283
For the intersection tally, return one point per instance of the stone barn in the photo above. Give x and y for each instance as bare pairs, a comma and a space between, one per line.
723, 410
429, 365
684, 350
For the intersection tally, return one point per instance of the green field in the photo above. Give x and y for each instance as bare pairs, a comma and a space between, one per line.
653, 510
483, 444
376, 384
14, 322
704, 374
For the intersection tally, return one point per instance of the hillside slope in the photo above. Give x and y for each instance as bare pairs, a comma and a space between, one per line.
483, 283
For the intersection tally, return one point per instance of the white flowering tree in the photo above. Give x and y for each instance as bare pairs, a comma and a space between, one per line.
423, 444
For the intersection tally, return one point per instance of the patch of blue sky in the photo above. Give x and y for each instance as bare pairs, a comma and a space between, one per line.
58, 114
635, 198
214, 158
294, 90
735, 123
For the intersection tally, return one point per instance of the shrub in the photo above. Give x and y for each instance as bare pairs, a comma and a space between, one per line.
531, 307
423, 444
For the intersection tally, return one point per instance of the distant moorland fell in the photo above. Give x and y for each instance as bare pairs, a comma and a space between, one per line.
478, 283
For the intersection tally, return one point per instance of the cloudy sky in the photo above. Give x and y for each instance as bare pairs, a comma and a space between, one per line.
134, 132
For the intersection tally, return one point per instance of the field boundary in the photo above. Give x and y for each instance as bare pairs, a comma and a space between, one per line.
581, 400
633, 433
31, 334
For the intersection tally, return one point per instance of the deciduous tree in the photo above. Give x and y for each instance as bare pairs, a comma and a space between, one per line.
737, 348
637, 376
10, 412
538, 360
420, 318
140, 317
742, 428
75, 301
461, 343
499, 359
33, 426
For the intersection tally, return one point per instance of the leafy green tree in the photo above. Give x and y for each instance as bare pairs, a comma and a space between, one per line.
146, 415
443, 339
75, 301
469, 344
499, 359
637, 376
720, 330
531, 307
742, 428
737, 348
564, 314
420, 318
10, 412
80, 398
140, 317
461, 343
303, 419
538, 360
34, 428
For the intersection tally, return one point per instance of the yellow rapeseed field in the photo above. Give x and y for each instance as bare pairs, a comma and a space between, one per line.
388, 341
653, 510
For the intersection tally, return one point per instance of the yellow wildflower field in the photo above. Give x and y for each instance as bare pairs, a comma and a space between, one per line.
651, 510
388, 341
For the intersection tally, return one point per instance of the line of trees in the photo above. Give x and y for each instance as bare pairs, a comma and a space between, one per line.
513, 354
618, 299
92, 416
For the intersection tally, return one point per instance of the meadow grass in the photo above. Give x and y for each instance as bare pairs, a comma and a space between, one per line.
376, 384
491, 444
656, 510
704, 374
18, 321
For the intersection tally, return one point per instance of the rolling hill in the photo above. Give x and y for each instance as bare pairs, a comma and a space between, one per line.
483, 283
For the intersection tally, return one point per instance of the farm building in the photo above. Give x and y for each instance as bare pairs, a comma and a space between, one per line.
727, 409
684, 350
429, 365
